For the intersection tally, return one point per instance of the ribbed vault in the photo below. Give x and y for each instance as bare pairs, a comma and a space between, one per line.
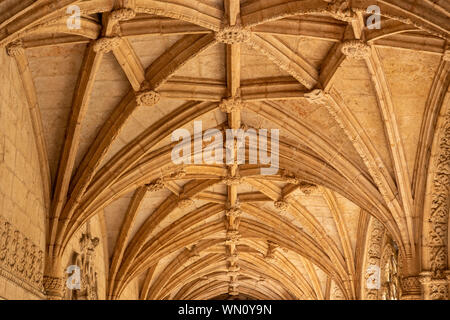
357, 110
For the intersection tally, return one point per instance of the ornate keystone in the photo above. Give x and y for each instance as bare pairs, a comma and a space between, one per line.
15, 48
157, 185
356, 49
106, 44
147, 96
233, 34
316, 96
233, 181
123, 14
231, 104
281, 205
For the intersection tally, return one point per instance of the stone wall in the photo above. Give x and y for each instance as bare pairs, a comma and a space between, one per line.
22, 208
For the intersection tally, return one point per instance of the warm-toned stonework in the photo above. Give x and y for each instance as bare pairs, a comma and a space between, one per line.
359, 208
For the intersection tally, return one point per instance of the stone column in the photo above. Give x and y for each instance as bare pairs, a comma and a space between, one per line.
434, 288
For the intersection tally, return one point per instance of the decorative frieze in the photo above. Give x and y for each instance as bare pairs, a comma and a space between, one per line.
411, 287
20, 258
233, 35
356, 49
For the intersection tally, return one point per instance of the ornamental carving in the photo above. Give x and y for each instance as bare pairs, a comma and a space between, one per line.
341, 10
439, 215
123, 14
85, 261
411, 286
356, 49
233, 35
281, 205
15, 48
106, 44
232, 216
155, 186
231, 104
233, 180
390, 274
373, 257
308, 188
147, 96
20, 257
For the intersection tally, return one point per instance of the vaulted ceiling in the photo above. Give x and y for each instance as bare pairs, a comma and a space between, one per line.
356, 109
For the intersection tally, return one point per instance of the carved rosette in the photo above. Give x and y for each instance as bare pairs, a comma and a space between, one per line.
15, 48
155, 186
356, 49
231, 104
316, 96
122, 14
106, 44
281, 205
233, 35
20, 259
147, 97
